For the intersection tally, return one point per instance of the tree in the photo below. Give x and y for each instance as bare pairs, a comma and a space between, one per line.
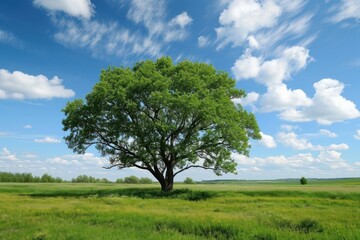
188, 181
131, 180
163, 118
145, 180
303, 181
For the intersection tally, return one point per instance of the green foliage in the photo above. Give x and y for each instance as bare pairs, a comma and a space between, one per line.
303, 181
40, 236
119, 180
309, 225
163, 118
189, 181
145, 180
132, 180
28, 177
89, 179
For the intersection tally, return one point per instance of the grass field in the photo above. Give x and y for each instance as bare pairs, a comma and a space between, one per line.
259, 210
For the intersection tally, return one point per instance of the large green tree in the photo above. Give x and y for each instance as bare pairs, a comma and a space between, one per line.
163, 118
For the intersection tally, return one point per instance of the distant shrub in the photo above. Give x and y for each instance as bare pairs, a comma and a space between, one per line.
119, 180
40, 236
303, 181
308, 225
132, 180
188, 181
145, 180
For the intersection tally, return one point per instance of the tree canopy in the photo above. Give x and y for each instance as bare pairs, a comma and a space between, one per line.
164, 118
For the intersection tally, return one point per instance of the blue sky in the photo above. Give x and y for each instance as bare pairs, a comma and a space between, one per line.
299, 62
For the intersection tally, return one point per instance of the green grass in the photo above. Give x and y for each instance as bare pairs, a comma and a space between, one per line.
243, 210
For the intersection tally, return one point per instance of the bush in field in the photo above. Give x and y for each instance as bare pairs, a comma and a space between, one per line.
303, 181
119, 180
131, 180
145, 180
189, 181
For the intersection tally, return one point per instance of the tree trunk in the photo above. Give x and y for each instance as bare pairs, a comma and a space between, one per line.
167, 185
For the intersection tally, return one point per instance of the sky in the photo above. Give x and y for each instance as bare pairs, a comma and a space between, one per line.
298, 61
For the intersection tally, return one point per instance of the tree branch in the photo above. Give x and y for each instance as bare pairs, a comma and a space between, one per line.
193, 166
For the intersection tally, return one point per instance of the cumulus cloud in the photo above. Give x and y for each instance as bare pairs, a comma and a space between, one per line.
28, 126
19, 85
280, 98
250, 99
267, 140
181, 20
74, 8
327, 133
357, 135
328, 105
260, 24
241, 18
290, 139
325, 164
5, 154
272, 72
47, 140
346, 9
203, 41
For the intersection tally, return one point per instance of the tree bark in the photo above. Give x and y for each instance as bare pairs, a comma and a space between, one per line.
167, 182
167, 185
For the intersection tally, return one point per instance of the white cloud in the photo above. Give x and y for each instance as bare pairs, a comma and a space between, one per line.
328, 105
280, 98
250, 99
246, 67
181, 20
242, 18
269, 73
28, 126
30, 155
327, 133
5, 154
48, 140
290, 139
6, 37
19, 85
272, 73
78, 159
261, 24
288, 128
74, 8
203, 41
267, 140
325, 164
357, 135
345, 10
111, 39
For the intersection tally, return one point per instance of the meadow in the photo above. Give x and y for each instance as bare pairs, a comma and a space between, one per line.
259, 210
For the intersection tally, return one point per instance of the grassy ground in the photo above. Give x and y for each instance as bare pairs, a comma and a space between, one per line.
241, 210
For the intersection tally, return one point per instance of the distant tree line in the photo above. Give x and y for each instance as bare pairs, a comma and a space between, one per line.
89, 179
46, 178
134, 180
28, 177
